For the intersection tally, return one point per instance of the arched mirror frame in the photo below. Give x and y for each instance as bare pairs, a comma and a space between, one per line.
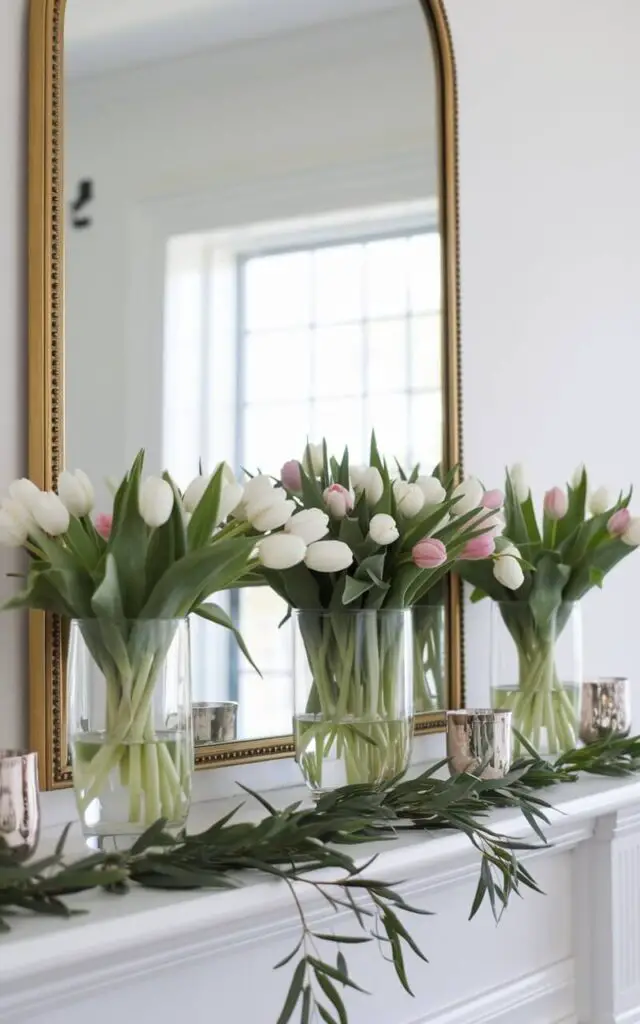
46, 362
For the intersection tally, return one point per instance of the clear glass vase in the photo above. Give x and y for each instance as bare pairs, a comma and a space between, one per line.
353, 715
430, 668
536, 673
130, 729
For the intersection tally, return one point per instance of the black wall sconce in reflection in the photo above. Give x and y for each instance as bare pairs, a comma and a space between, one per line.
85, 195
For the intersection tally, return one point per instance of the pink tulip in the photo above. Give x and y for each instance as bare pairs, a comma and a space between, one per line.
429, 553
290, 476
619, 522
493, 499
103, 524
556, 503
478, 548
338, 500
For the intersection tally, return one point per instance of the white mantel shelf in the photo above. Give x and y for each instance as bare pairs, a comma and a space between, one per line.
171, 955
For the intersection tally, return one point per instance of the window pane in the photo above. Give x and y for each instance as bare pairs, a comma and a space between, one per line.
277, 291
261, 612
387, 356
426, 430
338, 284
265, 705
425, 273
337, 362
388, 415
387, 284
426, 353
273, 434
276, 365
341, 422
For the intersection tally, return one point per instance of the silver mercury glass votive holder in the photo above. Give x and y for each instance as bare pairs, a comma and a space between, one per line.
214, 722
606, 709
19, 802
479, 742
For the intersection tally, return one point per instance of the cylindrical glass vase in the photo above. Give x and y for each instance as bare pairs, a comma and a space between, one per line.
129, 724
353, 714
536, 672
430, 666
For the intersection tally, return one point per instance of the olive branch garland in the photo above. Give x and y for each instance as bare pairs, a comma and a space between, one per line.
294, 843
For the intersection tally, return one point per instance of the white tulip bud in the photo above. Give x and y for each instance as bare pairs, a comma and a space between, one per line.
600, 501
14, 523
313, 459
433, 491
155, 501
281, 551
311, 524
508, 571
470, 492
519, 483
259, 484
24, 491
76, 493
372, 485
507, 548
357, 475
578, 474
50, 514
328, 556
631, 535
383, 529
194, 492
230, 497
269, 511
409, 498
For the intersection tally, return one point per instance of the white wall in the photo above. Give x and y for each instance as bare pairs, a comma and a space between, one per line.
550, 153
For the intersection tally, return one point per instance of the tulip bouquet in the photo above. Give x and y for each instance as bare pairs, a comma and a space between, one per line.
128, 580
544, 568
359, 549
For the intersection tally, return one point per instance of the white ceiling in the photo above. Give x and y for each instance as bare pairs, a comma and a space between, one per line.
101, 35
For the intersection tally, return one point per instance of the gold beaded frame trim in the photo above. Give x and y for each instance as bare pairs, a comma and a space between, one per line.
47, 697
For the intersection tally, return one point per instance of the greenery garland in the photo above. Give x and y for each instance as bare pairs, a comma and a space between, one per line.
293, 843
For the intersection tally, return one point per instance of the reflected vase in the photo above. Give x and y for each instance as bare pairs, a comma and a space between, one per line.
130, 725
536, 673
353, 696
430, 665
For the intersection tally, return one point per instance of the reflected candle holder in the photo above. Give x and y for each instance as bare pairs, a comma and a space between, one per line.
19, 802
606, 709
479, 742
214, 722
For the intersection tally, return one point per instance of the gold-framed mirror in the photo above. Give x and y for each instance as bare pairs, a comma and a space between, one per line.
363, 188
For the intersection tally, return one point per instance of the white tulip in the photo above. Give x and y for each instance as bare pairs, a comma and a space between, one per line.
508, 549
372, 485
631, 535
508, 571
228, 476
257, 485
519, 483
281, 551
493, 524
470, 492
155, 501
269, 511
24, 491
313, 459
311, 524
578, 474
433, 491
600, 501
14, 523
383, 529
230, 497
76, 493
328, 556
357, 476
409, 498
50, 514
194, 492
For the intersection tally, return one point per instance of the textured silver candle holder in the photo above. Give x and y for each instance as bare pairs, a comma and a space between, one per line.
606, 708
479, 742
214, 722
19, 801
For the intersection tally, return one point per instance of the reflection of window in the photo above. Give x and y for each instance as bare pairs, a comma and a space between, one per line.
333, 341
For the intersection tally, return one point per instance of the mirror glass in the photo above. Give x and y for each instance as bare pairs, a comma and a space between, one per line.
252, 258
